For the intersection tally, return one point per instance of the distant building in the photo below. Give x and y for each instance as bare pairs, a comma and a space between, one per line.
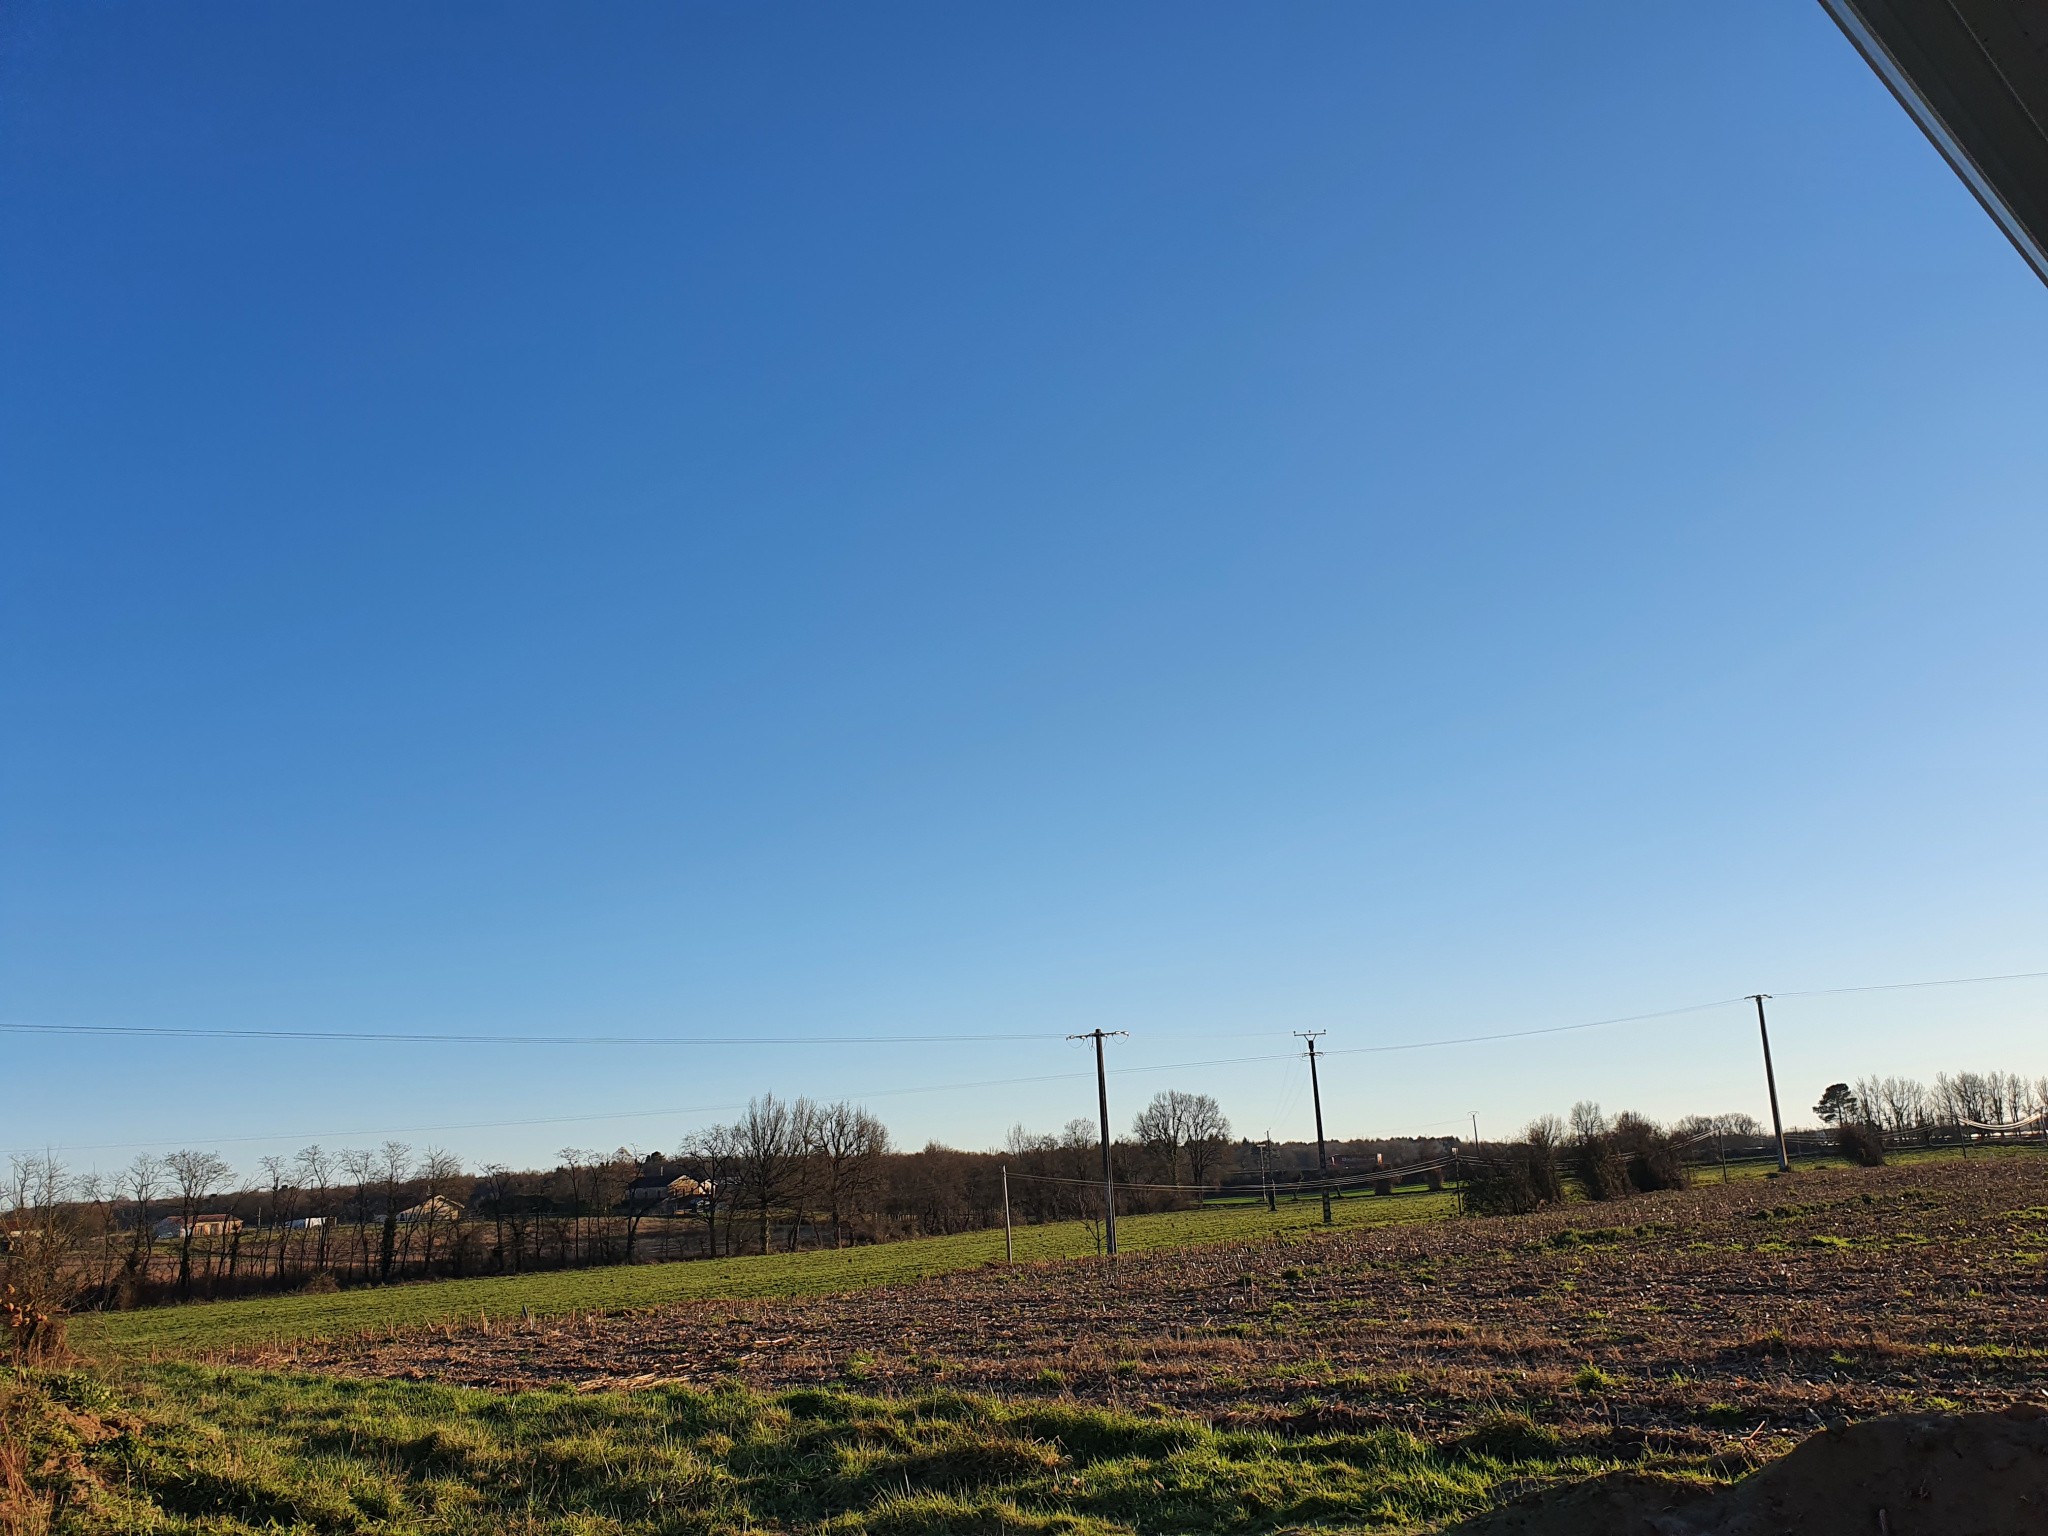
661, 1191
302, 1223
433, 1208
217, 1225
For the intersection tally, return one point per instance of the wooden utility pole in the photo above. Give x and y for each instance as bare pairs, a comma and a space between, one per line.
1009, 1247
1771, 1082
1316, 1092
1108, 1172
1266, 1170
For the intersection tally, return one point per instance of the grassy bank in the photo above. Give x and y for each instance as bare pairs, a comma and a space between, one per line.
180, 1450
197, 1330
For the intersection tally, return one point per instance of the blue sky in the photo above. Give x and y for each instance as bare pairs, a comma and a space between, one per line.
1202, 520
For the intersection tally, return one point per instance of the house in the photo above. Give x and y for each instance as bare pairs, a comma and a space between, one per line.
216, 1225
660, 1191
664, 1191
433, 1208
651, 1188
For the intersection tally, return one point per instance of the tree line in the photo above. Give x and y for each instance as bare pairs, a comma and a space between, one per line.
1904, 1104
784, 1175
792, 1174
1596, 1157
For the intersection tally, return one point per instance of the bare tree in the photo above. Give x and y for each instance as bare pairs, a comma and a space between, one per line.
393, 1166
438, 1171
609, 1179
511, 1214
576, 1165
279, 1180
1161, 1126
769, 1153
359, 1167
849, 1146
1208, 1138
1902, 1103
806, 1178
316, 1172
198, 1176
627, 1169
1587, 1121
144, 1181
100, 1192
1965, 1096
1080, 1166
714, 1156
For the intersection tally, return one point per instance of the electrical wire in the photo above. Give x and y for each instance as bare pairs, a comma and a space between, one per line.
895, 1092
1902, 986
412, 1037
408, 1037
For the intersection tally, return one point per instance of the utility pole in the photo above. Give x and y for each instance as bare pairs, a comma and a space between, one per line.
1266, 1170
1316, 1092
1475, 1126
1108, 1172
1009, 1247
1771, 1081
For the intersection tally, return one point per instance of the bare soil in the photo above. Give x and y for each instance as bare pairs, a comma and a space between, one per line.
1715, 1321
1974, 1474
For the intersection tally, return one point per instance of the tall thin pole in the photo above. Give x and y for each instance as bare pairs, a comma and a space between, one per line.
1266, 1170
1108, 1171
1771, 1082
1316, 1092
1009, 1247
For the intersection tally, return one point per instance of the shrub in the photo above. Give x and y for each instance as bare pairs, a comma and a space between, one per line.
1632, 1156
1601, 1169
1511, 1180
1861, 1144
1651, 1154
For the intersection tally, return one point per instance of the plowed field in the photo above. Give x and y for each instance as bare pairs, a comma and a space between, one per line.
1685, 1321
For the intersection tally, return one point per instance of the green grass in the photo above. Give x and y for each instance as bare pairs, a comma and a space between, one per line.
237, 1452
206, 1328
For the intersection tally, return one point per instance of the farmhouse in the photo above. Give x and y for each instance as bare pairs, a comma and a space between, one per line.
433, 1208
202, 1226
658, 1190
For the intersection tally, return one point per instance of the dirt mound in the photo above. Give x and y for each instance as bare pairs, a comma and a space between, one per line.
1979, 1474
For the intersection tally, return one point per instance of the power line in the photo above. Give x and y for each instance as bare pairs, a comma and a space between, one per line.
409, 1037
893, 1092
495, 1125
1901, 986
413, 1037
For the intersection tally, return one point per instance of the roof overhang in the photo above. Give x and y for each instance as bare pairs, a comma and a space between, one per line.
1974, 75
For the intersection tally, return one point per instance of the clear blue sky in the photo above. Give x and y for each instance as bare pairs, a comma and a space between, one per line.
1205, 520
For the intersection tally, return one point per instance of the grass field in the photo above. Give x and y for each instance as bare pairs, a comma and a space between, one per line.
1395, 1376
207, 1328
178, 1450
